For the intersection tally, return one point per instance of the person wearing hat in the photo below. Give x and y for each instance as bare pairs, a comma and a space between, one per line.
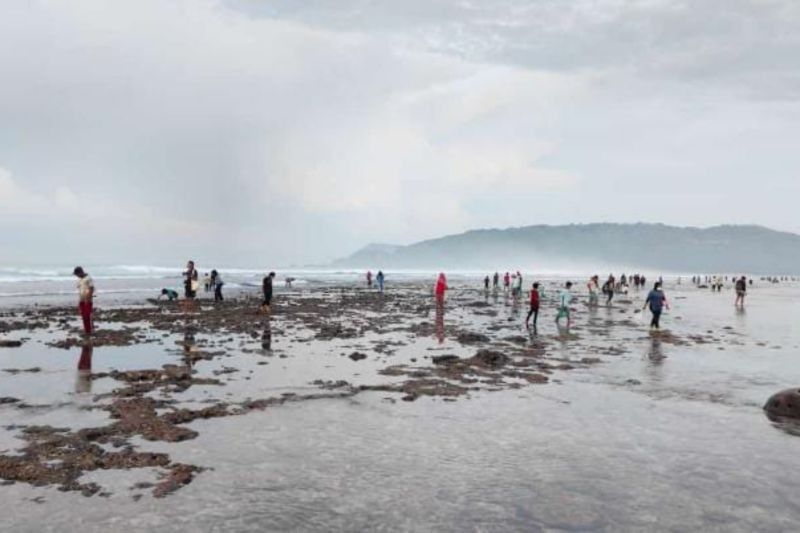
85, 299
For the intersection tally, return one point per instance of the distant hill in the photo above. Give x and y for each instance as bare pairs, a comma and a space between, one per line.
596, 247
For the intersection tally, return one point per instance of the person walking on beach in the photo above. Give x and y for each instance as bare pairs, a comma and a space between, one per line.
379, 278
657, 301
564, 299
486, 283
266, 288
369, 279
496, 281
594, 288
518, 287
506, 281
608, 289
190, 280
534, 310
741, 291
85, 299
217, 283
441, 286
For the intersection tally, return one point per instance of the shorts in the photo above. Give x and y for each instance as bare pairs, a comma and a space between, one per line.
563, 312
740, 293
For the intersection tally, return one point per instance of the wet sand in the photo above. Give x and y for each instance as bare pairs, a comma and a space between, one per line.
387, 404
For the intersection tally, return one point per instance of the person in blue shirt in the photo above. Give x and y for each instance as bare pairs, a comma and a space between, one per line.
657, 301
380, 279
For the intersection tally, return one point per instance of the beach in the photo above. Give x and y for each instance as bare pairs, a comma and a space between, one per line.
347, 409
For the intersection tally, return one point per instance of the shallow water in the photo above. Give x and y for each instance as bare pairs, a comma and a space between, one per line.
661, 437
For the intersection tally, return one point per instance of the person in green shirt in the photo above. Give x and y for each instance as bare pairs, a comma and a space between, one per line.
564, 299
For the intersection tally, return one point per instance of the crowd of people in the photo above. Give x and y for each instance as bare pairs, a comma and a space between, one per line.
512, 284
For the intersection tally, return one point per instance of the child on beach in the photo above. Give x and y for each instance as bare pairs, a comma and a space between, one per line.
534, 310
169, 293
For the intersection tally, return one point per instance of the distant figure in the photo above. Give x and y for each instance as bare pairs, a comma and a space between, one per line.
534, 310
518, 287
564, 299
608, 289
594, 288
288, 282
217, 283
266, 305
486, 283
85, 299
169, 293
190, 280
656, 300
441, 286
380, 279
208, 281
496, 281
369, 278
741, 291
506, 281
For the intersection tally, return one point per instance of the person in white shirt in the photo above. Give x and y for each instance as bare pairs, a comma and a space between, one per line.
85, 299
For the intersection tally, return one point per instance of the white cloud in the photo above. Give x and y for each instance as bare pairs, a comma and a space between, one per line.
308, 130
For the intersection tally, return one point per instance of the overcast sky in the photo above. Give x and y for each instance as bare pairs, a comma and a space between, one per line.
277, 132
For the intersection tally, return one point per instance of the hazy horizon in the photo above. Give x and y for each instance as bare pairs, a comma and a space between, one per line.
244, 133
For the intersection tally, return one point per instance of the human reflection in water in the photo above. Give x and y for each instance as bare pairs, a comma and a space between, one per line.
655, 357
266, 337
440, 320
188, 346
83, 381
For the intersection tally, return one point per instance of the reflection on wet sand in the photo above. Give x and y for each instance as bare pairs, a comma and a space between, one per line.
440, 320
655, 350
83, 378
266, 337
189, 343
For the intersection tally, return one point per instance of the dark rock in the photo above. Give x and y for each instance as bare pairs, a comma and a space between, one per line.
785, 403
357, 356
489, 358
10, 344
470, 337
444, 359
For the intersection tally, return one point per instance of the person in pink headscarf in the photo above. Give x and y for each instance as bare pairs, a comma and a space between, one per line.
441, 285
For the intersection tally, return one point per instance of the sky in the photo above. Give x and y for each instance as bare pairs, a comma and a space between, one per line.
250, 133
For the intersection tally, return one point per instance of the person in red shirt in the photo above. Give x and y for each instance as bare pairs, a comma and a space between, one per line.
441, 286
534, 311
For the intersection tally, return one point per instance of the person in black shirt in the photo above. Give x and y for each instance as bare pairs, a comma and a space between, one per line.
267, 289
190, 280
741, 291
